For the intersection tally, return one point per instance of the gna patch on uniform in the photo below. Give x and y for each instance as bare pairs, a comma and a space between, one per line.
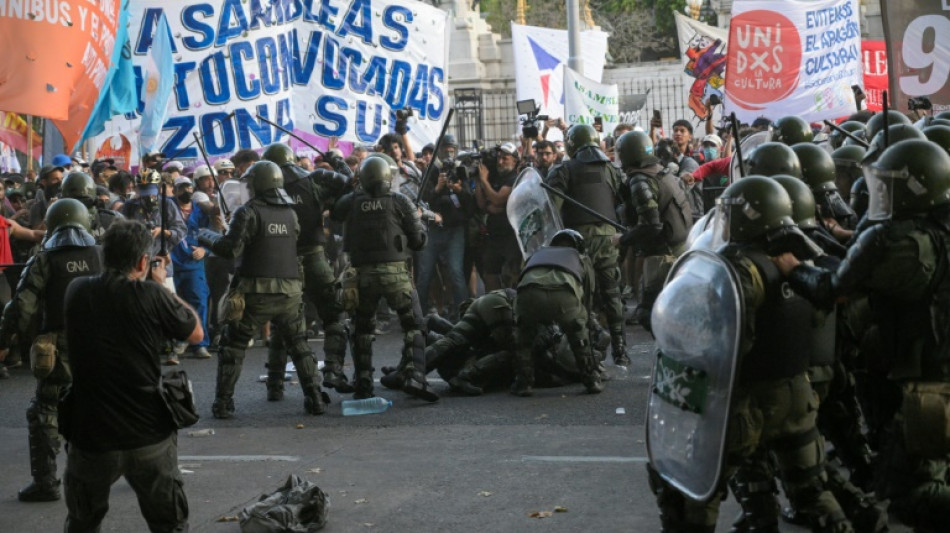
77, 266
277, 229
371, 205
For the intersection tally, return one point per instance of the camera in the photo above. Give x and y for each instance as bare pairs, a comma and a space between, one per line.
403, 114
921, 102
530, 123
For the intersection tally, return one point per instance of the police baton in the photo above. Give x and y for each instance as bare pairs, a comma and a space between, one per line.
435, 153
214, 179
187, 146
734, 122
583, 207
846, 133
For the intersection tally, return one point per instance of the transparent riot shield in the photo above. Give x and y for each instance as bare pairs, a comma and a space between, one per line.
696, 322
531, 213
748, 144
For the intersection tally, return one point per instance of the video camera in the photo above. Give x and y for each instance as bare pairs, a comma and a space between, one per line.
466, 164
919, 103
530, 123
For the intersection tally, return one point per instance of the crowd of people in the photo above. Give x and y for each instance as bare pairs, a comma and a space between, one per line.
839, 237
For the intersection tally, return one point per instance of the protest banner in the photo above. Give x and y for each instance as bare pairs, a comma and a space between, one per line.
585, 99
875, 73
335, 68
793, 58
55, 59
14, 131
704, 62
541, 56
918, 51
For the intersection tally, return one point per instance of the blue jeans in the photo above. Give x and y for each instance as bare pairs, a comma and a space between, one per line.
192, 286
449, 245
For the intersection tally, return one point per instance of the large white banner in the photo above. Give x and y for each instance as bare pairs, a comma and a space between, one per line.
704, 62
541, 56
585, 99
793, 58
333, 68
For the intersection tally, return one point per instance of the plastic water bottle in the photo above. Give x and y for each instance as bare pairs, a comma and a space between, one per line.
367, 406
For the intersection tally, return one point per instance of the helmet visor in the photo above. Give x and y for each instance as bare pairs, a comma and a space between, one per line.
881, 185
722, 222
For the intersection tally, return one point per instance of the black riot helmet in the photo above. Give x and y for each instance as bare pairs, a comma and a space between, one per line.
265, 180
895, 134
876, 123
279, 153
634, 149
773, 158
66, 213
569, 238
580, 136
376, 174
80, 186
818, 168
934, 134
803, 201
750, 208
792, 130
858, 129
910, 178
847, 166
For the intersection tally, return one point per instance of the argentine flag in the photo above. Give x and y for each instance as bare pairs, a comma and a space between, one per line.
159, 79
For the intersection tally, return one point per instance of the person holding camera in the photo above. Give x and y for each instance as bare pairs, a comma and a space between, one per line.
451, 199
500, 255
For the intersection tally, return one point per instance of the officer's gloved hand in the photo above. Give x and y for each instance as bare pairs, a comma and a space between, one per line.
791, 239
207, 237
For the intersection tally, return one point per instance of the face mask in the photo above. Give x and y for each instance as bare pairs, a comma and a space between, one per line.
710, 153
185, 197
149, 202
52, 190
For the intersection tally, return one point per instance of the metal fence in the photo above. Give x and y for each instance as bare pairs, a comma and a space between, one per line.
489, 116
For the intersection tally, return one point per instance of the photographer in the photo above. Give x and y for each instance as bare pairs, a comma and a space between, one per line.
500, 255
450, 198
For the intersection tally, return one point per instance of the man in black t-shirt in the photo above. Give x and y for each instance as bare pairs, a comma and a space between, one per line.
500, 257
114, 417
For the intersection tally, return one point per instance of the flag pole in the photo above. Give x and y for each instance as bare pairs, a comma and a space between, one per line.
29, 143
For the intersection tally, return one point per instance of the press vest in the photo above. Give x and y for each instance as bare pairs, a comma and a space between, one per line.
374, 231
65, 265
783, 328
308, 208
588, 185
272, 252
559, 257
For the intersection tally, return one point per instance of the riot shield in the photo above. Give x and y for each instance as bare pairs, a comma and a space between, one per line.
748, 144
696, 321
699, 229
531, 213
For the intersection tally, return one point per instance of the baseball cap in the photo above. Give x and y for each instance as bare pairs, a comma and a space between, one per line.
48, 169
223, 164
174, 165
13, 177
181, 180
509, 148
61, 160
713, 139
102, 164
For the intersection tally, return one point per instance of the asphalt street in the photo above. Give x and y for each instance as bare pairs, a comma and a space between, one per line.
463, 464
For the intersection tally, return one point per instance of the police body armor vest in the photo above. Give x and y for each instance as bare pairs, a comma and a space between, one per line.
65, 265
374, 231
559, 257
783, 328
272, 253
308, 208
675, 212
588, 185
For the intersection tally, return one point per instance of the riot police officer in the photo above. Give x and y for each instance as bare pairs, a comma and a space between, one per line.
381, 229
818, 171
901, 262
312, 193
556, 287
69, 252
263, 233
773, 407
81, 187
659, 212
791, 130
772, 159
592, 180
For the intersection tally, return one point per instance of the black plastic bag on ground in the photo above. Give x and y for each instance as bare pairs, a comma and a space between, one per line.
297, 507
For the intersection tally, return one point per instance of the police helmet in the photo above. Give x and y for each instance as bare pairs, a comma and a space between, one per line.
859, 197
934, 134
895, 134
791, 130
876, 123
750, 208
67, 212
773, 158
80, 186
818, 168
858, 129
910, 178
279, 153
376, 174
634, 149
803, 201
569, 238
264, 178
580, 136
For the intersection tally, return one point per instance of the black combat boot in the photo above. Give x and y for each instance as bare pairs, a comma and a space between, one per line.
275, 386
619, 350
395, 379
463, 382
41, 490
223, 408
43, 450
334, 378
315, 401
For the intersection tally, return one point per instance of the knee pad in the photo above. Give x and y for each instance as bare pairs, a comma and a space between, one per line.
365, 324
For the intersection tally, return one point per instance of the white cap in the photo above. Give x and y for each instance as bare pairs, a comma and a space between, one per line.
201, 172
181, 180
175, 165
714, 139
509, 148
223, 164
